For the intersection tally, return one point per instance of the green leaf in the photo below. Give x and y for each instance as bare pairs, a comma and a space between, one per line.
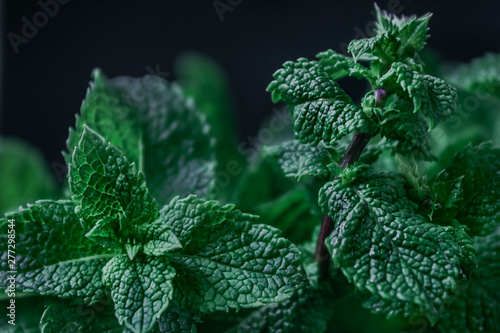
62, 316
177, 142
476, 307
299, 160
148, 120
109, 191
141, 289
320, 109
381, 46
338, 66
53, 256
226, 261
108, 113
479, 167
303, 81
177, 321
184, 216
23, 174
409, 129
308, 310
406, 263
328, 120
433, 97
409, 30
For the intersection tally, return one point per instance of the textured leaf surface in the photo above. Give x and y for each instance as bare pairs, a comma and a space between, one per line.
226, 261
306, 311
386, 249
141, 289
328, 120
23, 174
410, 30
107, 188
298, 160
177, 145
409, 129
184, 216
382, 46
53, 256
479, 169
476, 308
338, 66
320, 109
433, 97
302, 81
236, 266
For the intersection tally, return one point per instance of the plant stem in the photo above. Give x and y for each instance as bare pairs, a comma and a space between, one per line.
351, 155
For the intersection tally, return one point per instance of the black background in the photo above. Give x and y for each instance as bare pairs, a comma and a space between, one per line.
45, 82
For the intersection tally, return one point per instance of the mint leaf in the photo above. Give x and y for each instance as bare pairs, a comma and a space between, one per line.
184, 216
308, 310
109, 191
476, 307
177, 321
409, 129
410, 30
299, 160
338, 66
303, 81
173, 165
147, 119
433, 97
141, 289
320, 109
226, 261
62, 316
386, 249
23, 174
479, 168
381, 46
53, 256
328, 120
105, 110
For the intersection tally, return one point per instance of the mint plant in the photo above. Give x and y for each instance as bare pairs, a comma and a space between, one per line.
371, 215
